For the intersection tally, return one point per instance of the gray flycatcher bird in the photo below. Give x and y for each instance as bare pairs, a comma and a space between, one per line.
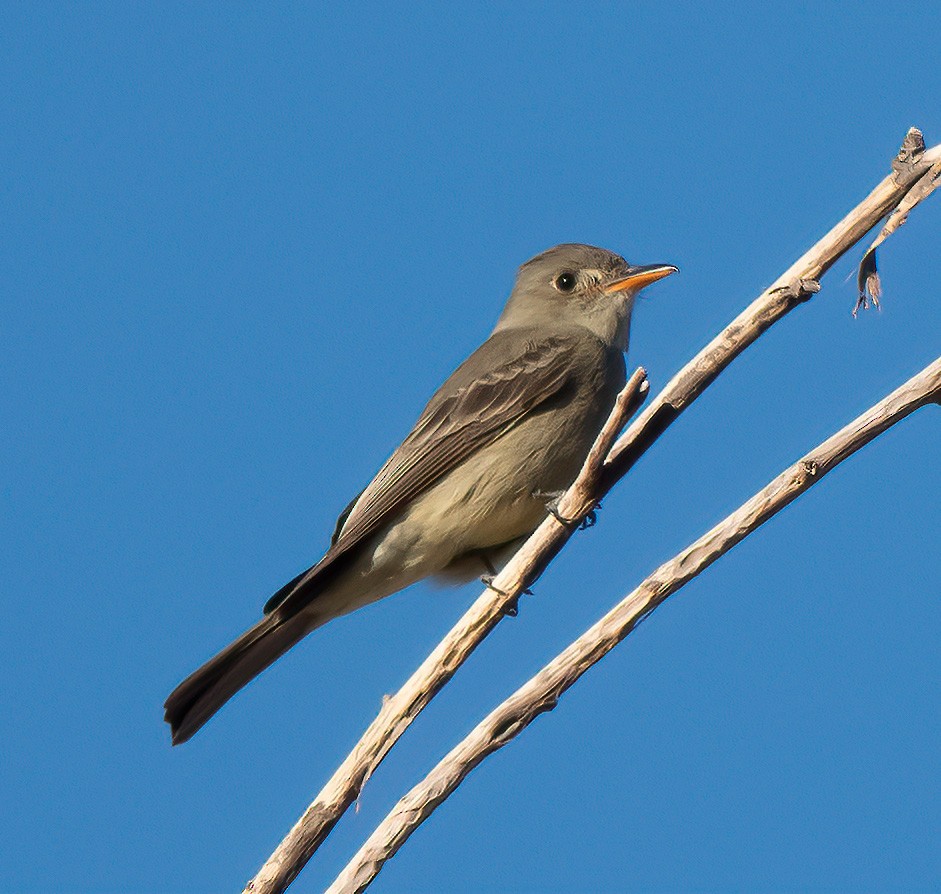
512, 425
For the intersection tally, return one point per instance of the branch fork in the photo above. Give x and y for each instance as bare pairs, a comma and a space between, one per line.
916, 173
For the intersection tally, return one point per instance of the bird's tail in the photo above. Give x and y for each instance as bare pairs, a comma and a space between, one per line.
207, 689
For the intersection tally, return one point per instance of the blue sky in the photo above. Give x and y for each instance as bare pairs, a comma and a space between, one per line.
242, 247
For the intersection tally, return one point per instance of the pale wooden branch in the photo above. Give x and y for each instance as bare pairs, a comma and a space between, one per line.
541, 693
399, 710
798, 284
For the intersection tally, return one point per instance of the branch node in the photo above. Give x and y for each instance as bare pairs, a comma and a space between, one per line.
807, 287
910, 153
798, 289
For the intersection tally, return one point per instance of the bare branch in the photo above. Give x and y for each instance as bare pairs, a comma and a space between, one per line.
399, 710
542, 692
795, 286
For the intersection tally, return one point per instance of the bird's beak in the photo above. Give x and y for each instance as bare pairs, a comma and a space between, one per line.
638, 277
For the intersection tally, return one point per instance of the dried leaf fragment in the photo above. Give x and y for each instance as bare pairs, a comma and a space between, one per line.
870, 287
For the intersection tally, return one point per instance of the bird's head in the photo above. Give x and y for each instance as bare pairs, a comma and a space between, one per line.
574, 284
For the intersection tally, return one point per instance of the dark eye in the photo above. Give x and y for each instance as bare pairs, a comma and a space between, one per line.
565, 281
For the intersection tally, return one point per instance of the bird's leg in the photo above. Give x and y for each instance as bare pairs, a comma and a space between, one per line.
512, 608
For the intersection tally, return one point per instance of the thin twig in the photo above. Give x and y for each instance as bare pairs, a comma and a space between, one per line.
541, 693
797, 285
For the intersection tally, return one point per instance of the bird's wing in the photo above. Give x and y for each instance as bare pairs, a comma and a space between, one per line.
468, 413
458, 425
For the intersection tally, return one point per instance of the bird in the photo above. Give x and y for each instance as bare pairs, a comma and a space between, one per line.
511, 425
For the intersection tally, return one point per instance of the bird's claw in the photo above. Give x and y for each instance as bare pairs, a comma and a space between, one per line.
589, 521
487, 581
552, 507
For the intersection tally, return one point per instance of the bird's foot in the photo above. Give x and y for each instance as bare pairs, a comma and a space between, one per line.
552, 507
512, 607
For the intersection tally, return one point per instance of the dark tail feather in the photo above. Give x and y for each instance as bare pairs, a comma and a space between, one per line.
206, 690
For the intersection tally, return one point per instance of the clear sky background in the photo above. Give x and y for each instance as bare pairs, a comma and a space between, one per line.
241, 247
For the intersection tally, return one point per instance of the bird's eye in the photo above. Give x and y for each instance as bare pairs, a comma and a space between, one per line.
565, 281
